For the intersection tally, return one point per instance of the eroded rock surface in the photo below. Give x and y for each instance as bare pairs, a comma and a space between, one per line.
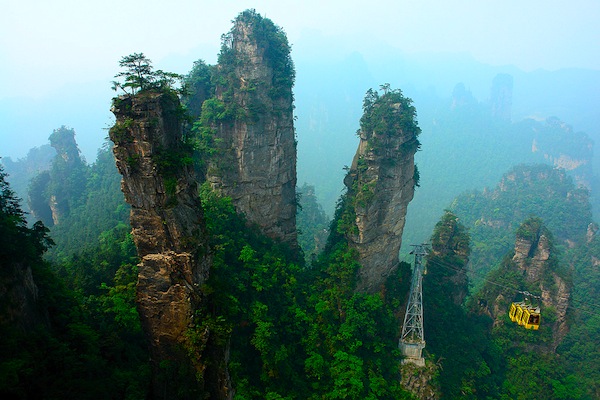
256, 163
533, 257
167, 223
380, 185
534, 268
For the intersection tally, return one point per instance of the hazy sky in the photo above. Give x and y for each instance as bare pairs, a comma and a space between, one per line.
52, 47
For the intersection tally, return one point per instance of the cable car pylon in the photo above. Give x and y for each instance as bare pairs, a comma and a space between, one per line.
412, 340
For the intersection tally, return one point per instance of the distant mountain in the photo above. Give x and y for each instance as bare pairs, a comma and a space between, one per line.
493, 216
21, 171
329, 90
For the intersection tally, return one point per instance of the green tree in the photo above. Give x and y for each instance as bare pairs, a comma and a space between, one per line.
198, 87
139, 75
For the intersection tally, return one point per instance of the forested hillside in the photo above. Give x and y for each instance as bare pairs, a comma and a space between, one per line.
493, 216
67, 329
478, 351
277, 320
184, 263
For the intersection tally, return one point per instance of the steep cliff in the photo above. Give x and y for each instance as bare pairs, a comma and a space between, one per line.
54, 193
168, 230
447, 260
251, 123
534, 268
420, 381
380, 185
535, 259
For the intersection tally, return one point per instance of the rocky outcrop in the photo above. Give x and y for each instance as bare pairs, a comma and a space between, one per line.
539, 190
535, 260
565, 149
421, 381
54, 193
537, 271
168, 230
532, 255
23, 170
449, 245
37, 198
592, 229
380, 185
256, 160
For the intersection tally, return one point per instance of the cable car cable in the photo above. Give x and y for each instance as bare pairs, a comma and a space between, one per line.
570, 298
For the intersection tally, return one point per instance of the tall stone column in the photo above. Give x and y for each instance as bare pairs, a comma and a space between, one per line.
169, 233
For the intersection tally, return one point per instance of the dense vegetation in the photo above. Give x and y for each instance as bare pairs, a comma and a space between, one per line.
580, 350
80, 341
504, 361
299, 332
532, 369
470, 364
535, 190
297, 328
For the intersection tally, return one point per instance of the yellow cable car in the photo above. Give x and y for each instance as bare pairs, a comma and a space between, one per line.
512, 313
531, 318
525, 315
519, 312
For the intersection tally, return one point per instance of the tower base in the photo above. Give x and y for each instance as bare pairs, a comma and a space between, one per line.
412, 353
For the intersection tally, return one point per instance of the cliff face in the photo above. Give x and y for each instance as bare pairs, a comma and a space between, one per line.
534, 259
167, 224
256, 164
380, 185
421, 381
533, 268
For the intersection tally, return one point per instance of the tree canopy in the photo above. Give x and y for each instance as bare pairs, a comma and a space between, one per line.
139, 75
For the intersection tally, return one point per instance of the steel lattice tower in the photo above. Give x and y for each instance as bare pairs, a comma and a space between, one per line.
412, 341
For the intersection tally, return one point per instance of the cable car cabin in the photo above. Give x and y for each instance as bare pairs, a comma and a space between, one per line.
531, 318
512, 313
525, 315
519, 313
